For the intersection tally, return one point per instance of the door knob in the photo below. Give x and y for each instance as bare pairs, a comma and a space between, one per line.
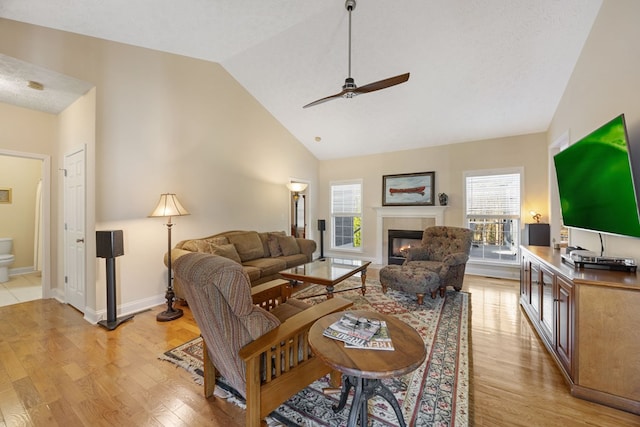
79, 240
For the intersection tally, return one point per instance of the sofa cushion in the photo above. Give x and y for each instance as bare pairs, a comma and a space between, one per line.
268, 266
264, 238
254, 273
248, 245
203, 245
196, 245
288, 245
294, 260
217, 240
227, 251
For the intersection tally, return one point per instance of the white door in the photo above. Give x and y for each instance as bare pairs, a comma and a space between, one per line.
74, 229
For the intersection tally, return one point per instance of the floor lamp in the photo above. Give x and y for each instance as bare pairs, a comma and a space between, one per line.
169, 206
296, 188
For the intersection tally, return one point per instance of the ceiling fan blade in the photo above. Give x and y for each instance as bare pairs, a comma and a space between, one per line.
382, 84
325, 99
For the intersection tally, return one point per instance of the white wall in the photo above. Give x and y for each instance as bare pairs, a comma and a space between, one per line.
605, 83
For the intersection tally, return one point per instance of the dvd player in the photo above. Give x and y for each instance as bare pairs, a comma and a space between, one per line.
588, 259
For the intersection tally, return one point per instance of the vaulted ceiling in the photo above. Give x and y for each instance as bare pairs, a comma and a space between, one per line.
479, 69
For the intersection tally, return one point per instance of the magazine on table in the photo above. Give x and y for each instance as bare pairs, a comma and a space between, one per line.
353, 329
381, 340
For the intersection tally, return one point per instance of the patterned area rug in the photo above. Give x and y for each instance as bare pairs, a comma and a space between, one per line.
435, 394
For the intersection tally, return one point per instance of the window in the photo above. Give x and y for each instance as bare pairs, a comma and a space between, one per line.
346, 215
492, 211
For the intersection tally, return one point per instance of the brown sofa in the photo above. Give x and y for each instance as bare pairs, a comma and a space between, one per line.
262, 255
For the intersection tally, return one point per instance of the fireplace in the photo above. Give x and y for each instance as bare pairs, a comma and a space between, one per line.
400, 240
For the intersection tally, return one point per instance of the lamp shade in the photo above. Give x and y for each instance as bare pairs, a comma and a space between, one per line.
296, 187
169, 206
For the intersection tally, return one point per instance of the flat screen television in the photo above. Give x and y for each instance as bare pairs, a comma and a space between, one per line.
595, 183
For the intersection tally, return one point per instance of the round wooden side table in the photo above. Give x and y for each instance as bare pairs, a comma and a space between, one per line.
364, 369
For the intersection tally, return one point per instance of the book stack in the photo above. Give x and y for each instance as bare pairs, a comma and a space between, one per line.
360, 332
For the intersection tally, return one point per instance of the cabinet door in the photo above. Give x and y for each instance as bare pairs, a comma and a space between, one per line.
564, 323
547, 303
525, 281
535, 289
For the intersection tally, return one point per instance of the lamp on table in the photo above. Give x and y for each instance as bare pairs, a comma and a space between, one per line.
169, 206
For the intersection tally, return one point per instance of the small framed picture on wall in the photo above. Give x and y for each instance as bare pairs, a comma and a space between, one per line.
5, 195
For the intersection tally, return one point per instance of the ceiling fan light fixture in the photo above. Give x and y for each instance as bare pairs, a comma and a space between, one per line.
35, 85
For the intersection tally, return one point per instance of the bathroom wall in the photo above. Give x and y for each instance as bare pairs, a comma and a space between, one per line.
17, 219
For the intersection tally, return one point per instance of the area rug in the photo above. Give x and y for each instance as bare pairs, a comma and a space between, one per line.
435, 394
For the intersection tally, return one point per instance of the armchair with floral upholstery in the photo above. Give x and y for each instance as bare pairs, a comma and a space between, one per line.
256, 338
443, 250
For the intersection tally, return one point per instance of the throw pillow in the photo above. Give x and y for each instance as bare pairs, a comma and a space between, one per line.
288, 245
274, 247
227, 251
196, 245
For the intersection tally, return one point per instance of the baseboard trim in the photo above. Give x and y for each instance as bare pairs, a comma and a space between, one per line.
133, 307
500, 271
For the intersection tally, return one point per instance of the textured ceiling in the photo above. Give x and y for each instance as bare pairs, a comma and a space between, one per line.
479, 69
58, 93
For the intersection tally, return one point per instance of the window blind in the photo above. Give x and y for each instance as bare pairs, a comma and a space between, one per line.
346, 198
493, 195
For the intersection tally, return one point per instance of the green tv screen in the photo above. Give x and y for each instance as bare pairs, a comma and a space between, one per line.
595, 182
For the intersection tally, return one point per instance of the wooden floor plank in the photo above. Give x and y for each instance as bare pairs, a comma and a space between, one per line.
56, 369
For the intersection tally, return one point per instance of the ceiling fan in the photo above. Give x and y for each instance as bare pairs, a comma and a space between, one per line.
349, 90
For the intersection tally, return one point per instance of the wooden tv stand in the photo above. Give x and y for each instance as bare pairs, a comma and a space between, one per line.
589, 320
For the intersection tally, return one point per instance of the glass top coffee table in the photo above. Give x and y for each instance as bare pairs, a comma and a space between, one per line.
328, 272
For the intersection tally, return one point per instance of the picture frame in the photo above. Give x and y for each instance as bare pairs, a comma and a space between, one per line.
409, 189
5, 195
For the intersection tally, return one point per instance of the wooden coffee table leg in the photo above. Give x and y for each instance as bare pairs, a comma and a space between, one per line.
329, 292
363, 278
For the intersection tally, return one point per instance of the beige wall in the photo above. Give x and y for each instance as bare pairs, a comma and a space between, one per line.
166, 123
17, 219
449, 163
76, 131
605, 83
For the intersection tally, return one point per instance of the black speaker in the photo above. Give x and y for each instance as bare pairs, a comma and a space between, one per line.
109, 244
321, 225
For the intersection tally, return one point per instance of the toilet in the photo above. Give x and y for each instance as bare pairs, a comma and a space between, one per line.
6, 258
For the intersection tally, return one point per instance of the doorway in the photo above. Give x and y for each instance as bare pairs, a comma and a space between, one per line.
26, 221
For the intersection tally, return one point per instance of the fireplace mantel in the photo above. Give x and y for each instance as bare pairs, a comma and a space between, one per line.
435, 212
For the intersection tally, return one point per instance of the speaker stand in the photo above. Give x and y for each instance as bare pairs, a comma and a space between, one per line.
112, 321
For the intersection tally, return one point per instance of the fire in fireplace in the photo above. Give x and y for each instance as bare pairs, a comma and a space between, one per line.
400, 240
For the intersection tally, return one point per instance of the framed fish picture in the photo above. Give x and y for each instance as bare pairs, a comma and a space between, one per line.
409, 189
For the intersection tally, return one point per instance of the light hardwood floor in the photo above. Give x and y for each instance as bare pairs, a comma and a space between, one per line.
58, 370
